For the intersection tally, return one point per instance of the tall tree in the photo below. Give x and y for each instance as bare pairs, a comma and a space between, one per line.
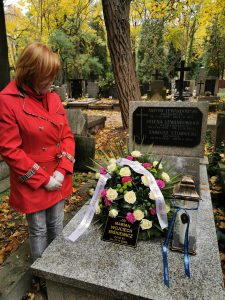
4, 61
116, 16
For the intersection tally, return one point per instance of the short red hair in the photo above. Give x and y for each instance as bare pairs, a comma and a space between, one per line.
36, 64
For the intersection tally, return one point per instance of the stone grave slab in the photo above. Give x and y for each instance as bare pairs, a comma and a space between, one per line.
170, 127
93, 269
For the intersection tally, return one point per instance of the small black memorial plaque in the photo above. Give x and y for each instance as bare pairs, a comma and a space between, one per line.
119, 230
167, 126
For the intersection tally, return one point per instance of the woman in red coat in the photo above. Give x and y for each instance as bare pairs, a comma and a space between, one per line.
37, 144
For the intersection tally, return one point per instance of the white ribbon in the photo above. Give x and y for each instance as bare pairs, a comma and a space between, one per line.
86, 221
153, 186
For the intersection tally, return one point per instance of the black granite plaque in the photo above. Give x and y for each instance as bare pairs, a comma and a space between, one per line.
119, 230
167, 126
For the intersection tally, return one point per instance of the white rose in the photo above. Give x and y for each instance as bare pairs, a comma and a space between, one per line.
138, 214
111, 168
167, 208
136, 153
125, 171
97, 175
112, 161
91, 192
98, 210
151, 196
165, 177
130, 197
111, 194
144, 180
146, 224
155, 163
113, 213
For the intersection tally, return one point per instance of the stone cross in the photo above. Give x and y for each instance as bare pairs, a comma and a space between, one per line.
182, 69
200, 85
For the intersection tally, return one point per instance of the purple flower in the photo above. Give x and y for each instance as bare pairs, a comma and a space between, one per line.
129, 157
161, 183
103, 170
130, 217
126, 179
107, 202
153, 211
103, 193
147, 165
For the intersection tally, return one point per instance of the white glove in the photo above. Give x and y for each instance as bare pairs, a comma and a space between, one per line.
52, 185
58, 176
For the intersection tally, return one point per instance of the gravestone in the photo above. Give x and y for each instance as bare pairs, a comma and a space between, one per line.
76, 88
93, 269
175, 130
211, 86
220, 129
157, 90
182, 69
85, 145
61, 91
92, 89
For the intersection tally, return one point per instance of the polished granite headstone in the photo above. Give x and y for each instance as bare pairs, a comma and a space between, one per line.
173, 128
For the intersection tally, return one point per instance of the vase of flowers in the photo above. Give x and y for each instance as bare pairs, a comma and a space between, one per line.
128, 193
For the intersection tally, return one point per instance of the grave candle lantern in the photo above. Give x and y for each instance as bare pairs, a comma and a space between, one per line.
186, 201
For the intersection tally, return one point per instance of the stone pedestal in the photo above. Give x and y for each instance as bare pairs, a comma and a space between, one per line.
93, 269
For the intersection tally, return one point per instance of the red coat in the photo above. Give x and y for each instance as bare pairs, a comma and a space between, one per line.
34, 142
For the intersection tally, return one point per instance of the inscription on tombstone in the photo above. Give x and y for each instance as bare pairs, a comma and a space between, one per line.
168, 126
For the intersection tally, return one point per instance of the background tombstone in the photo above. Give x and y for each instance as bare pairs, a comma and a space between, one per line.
182, 69
211, 85
157, 90
85, 145
61, 91
92, 89
76, 87
220, 129
200, 87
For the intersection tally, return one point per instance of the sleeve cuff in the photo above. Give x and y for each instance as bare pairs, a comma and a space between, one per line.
46, 181
61, 170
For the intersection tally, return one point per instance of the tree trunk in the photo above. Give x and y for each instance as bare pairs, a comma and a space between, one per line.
4, 61
116, 15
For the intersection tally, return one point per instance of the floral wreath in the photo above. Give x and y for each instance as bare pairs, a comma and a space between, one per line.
127, 193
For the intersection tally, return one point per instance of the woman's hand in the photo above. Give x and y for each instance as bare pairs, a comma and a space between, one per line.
53, 185
58, 176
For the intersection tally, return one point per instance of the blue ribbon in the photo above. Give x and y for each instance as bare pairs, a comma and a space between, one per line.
165, 246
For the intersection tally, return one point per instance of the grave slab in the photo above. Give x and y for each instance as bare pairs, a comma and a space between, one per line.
93, 269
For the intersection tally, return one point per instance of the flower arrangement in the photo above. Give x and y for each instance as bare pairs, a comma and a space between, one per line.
127, 193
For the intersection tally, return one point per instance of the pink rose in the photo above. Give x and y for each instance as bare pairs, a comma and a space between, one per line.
103, 193
130, 217
107, 202
153, 211
129, 157
103, 170
147, 165
161, 183
126, 179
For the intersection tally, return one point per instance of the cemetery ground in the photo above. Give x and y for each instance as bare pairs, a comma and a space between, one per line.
13, 227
